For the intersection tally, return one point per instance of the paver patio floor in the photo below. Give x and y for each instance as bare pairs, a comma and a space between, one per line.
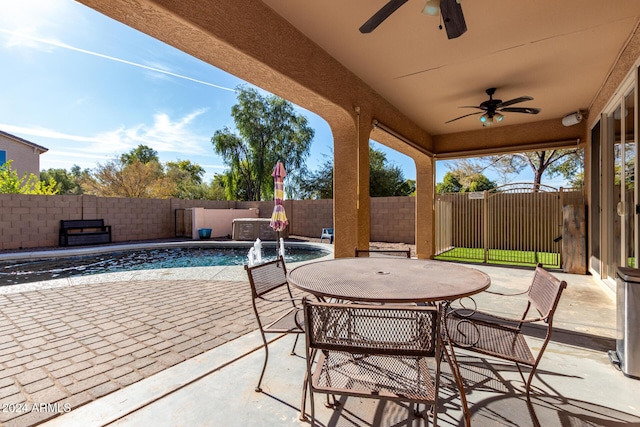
71, 345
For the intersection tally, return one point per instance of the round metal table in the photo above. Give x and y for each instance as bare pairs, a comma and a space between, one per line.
388, 280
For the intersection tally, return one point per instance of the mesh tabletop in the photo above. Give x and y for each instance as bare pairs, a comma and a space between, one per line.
388, 280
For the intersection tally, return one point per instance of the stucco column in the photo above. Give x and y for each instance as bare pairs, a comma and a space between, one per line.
345, 186
425, 216
363, 123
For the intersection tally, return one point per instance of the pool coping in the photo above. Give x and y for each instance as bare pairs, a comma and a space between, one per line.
88, 250
207, 273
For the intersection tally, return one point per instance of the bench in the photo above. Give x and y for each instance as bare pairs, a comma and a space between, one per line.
84, 232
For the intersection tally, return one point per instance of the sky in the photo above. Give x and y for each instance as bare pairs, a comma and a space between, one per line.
89, 88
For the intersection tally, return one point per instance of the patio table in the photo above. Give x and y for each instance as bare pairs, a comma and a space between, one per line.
394, 280
388, 280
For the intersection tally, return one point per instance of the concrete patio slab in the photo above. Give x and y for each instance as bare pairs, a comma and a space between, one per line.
72, 344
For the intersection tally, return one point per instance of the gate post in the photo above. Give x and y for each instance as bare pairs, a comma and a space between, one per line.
485, 226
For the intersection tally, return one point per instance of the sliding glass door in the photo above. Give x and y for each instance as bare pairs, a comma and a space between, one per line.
619, 238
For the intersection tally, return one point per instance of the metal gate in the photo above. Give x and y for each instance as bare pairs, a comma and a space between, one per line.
517, 224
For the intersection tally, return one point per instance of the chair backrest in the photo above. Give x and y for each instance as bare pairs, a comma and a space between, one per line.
266, 277
373, 329
544, 293
406, 253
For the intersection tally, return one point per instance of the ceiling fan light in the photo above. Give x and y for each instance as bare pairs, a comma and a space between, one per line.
499, 117
484, 118
432, 8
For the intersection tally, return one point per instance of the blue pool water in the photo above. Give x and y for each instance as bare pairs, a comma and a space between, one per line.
17, 272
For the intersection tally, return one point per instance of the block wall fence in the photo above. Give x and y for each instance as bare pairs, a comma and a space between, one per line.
29, 221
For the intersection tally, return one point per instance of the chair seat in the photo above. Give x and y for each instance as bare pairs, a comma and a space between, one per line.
392, 377
291, 322
489, 338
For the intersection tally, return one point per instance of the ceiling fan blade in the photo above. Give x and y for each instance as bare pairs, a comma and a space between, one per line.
515, 101
453, 18
479, 107
381, 15
526, 110
462, 117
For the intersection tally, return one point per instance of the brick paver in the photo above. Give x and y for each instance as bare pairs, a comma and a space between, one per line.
69, 346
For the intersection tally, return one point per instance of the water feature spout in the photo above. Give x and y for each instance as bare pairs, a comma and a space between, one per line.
258, 250
251, 257
281, 247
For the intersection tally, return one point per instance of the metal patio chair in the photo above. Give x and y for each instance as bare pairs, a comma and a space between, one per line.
371, 351
383, 252
264, 279
502, 337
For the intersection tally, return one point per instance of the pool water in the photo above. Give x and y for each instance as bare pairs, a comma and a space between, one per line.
17, 272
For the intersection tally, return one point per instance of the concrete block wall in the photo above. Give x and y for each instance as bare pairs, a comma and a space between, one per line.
393, 219
28, 221
135, 219
309, 217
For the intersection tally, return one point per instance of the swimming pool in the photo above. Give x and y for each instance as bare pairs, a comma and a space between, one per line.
32, 270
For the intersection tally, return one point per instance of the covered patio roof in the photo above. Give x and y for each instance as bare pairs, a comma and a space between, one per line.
408, 77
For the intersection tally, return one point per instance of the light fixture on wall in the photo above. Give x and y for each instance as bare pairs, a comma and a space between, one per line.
572, 119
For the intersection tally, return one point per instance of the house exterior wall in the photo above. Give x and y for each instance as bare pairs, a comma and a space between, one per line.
26, 159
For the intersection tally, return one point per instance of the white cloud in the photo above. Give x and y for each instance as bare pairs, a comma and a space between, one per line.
163, 135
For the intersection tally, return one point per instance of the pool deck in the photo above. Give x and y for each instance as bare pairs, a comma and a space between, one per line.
179, 345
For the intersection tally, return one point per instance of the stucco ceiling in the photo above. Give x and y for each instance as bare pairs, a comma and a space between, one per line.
558, 52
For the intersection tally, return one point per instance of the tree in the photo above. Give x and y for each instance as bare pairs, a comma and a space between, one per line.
10, 183
138, 180
384, 179
187, 178
318, 184
449, 184
66, 182
457, 181
142, 154
566, 162
268, 130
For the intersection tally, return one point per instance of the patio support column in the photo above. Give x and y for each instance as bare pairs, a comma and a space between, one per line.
425, 215
345, 188
363, 122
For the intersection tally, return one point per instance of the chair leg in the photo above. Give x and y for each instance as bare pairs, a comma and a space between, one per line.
293, 349
264, 366
303, 404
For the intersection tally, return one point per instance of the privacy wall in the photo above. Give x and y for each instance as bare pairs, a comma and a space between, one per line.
28, 221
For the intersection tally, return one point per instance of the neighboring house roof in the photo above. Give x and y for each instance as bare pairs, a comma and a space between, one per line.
24, 141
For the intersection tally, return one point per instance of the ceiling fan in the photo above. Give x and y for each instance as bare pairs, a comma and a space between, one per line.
491, 109
450, 9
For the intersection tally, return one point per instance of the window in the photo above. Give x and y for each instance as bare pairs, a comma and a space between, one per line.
3, 157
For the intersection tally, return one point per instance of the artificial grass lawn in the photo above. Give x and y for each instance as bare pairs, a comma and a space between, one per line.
501, 256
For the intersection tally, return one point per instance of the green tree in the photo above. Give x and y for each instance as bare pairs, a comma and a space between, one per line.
142, 153
449, 184
318, 184
187, 178
11, 183
268, 130
66, 181
457, 181
384, 179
